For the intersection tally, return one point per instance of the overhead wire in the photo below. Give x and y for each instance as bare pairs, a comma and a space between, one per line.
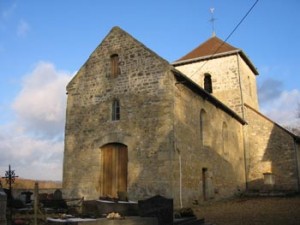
225, 41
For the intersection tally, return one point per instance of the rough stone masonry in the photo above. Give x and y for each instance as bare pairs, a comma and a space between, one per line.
138, 125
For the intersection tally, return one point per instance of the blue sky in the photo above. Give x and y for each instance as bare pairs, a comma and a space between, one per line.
44, 43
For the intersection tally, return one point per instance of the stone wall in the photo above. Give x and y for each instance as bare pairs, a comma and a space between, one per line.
217, 161
248, 84
159, 121
224, 75
270, 151
233, 82
145, 125
159, 125
297, 148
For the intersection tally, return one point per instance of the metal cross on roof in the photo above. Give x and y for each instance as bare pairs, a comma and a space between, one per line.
212, 20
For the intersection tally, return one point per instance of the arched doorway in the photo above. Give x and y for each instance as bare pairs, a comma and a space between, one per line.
114, 169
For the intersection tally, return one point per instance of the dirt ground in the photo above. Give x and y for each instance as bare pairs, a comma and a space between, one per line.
252, 211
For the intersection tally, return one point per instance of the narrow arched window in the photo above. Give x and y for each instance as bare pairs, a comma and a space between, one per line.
202, 126
249, 85
207, 83
115, 69
116, 110
225, 140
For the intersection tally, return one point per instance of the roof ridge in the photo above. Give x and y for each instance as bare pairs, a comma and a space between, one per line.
211, 46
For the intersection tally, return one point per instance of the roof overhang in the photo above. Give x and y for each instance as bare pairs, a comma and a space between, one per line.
296, 137
218, 55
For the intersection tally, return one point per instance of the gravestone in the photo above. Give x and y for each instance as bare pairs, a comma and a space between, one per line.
27, 196
3, 202
159, 207
57, 195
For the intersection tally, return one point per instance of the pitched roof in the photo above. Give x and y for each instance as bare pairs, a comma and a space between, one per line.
212, 46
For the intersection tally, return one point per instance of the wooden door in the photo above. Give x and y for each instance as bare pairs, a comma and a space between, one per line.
114, 169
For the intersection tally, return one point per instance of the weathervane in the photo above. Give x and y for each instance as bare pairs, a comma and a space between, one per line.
212, 20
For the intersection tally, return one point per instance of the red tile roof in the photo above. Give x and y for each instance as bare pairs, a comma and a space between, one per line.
212, 46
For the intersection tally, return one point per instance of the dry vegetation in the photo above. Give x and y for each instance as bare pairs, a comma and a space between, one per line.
296, 131
252, 211
21, 183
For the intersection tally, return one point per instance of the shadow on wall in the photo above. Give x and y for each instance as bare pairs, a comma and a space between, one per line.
274, 167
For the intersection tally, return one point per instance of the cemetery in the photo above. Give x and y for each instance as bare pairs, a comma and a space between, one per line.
24, 207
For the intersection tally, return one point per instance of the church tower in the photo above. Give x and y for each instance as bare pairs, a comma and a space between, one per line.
224, 71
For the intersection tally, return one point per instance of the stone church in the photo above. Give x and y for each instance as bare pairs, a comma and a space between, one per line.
190, 130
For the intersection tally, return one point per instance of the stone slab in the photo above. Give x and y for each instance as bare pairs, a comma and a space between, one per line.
104, 221
99, 208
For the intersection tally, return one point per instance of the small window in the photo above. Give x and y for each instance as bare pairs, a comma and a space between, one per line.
225, 139
249, 85
269, 179
202, 126
115, 70
207, 83
116, 110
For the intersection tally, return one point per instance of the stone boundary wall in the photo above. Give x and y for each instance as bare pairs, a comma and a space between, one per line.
271, 155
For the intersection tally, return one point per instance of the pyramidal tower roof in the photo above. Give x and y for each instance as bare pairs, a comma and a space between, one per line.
214, 47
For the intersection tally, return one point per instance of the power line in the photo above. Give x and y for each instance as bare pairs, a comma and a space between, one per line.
240, 22
231, 33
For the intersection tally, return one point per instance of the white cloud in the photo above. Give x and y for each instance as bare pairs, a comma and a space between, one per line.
33, 143
23, 28
31, 157
40, 106
284, 109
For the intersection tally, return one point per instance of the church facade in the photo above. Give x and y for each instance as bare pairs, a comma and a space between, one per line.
190, 130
